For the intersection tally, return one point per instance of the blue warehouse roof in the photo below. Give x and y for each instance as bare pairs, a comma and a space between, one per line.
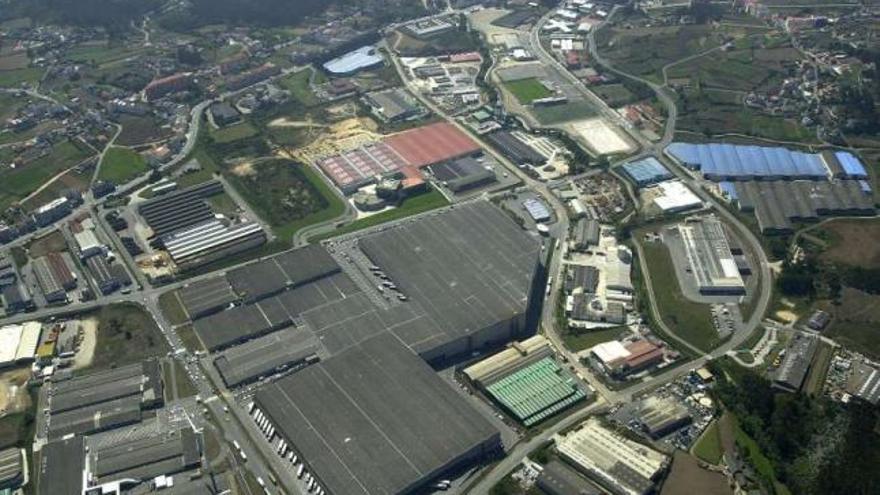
735, 162
647, 171
851, 165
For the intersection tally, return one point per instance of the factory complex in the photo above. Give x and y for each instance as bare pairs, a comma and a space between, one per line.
621, 466
526, 381
710, 257
404, 154
782, 187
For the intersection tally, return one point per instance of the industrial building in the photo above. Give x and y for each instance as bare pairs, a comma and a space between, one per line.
586, 234
11, 468
537, 210
796, 364
16, 298
54, 277
145, 458
241, 323
52, 211
778, 205
536, 392
290, 269
661, 416
267, 355
674, 197
517, 151
619, 465
581, 279
709, 256
587, 309
729, 162
88, 244
61, 467
365, 57
18, 343
393, 105
463, 174
646, 172
201, 244
107, 399
375, 419
515, 357
557, 478
864, 382
619, 359
180, 209
205, 297
843, 165
103, 277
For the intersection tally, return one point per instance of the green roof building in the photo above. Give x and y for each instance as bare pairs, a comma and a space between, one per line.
536, 392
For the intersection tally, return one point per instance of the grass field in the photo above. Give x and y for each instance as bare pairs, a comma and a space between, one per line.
174, 373
410, 206
232, 133
121, 165
689, 320
15, 77
72, 180
102, 53
17, 183
855, 322
686, 477
189, 338
140, 130
126, 334
708, 447
614, 95
298, 85
169, 303
644, 51
566, 112
528, 90
288, 195
852, 242
579, 341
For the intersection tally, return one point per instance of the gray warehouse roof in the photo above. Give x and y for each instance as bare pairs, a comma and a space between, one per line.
560, 479
147, 458
60, 469
10, 468
238, 324
265, 354
206, 296
290, 269
375, 419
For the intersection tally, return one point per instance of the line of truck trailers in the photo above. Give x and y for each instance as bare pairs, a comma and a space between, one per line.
286, 453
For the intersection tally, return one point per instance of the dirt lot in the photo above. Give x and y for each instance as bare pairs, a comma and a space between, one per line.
13, 394
854, 242
687, 478
86, 353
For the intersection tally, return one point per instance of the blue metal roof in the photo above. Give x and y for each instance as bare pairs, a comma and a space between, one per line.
737, 162
537, 209
729, 189
647, 171
851, 165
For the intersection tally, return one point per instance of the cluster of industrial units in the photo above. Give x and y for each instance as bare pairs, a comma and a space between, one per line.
782, 187
183, 225
343, 339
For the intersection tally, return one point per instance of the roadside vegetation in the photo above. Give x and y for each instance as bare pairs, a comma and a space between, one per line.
126, 334
410, 206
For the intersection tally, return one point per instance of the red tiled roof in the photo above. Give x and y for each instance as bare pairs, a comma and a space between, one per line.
432, 144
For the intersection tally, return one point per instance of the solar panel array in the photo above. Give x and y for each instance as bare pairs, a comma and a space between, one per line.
735, 162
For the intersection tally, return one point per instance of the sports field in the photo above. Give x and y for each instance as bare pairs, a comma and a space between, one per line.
528, 90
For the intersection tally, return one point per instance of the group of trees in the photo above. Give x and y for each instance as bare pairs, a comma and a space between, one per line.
113, 15
793, 430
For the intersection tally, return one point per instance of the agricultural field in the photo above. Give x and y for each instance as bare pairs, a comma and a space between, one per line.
286, 194
72, 180
16, 184
855, 322
140, 130
102, 52
615, 95
121, 165
15, 77
528, 90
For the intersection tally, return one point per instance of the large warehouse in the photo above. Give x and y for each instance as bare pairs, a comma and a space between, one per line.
376, 420
737, 162
646, 171
710, 258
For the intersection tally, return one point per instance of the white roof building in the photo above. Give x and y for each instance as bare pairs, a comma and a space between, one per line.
19, 342
88, 243
675, 197
609, 352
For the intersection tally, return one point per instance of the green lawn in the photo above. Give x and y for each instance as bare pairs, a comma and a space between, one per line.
189, 338
708, 447
689, 320
121, 165
14, 78
17, 183
169, 303
298, 85
588, 338
233, 133
410, 206
528, 90
101, 53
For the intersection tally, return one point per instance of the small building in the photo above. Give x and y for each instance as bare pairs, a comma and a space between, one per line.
537, 209
797, 362
224, 114
586, 234
88, 244
674, 197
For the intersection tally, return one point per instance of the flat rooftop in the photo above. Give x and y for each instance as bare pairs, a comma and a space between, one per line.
61, 467
265, 355
205, 296
375, 419
147, 458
